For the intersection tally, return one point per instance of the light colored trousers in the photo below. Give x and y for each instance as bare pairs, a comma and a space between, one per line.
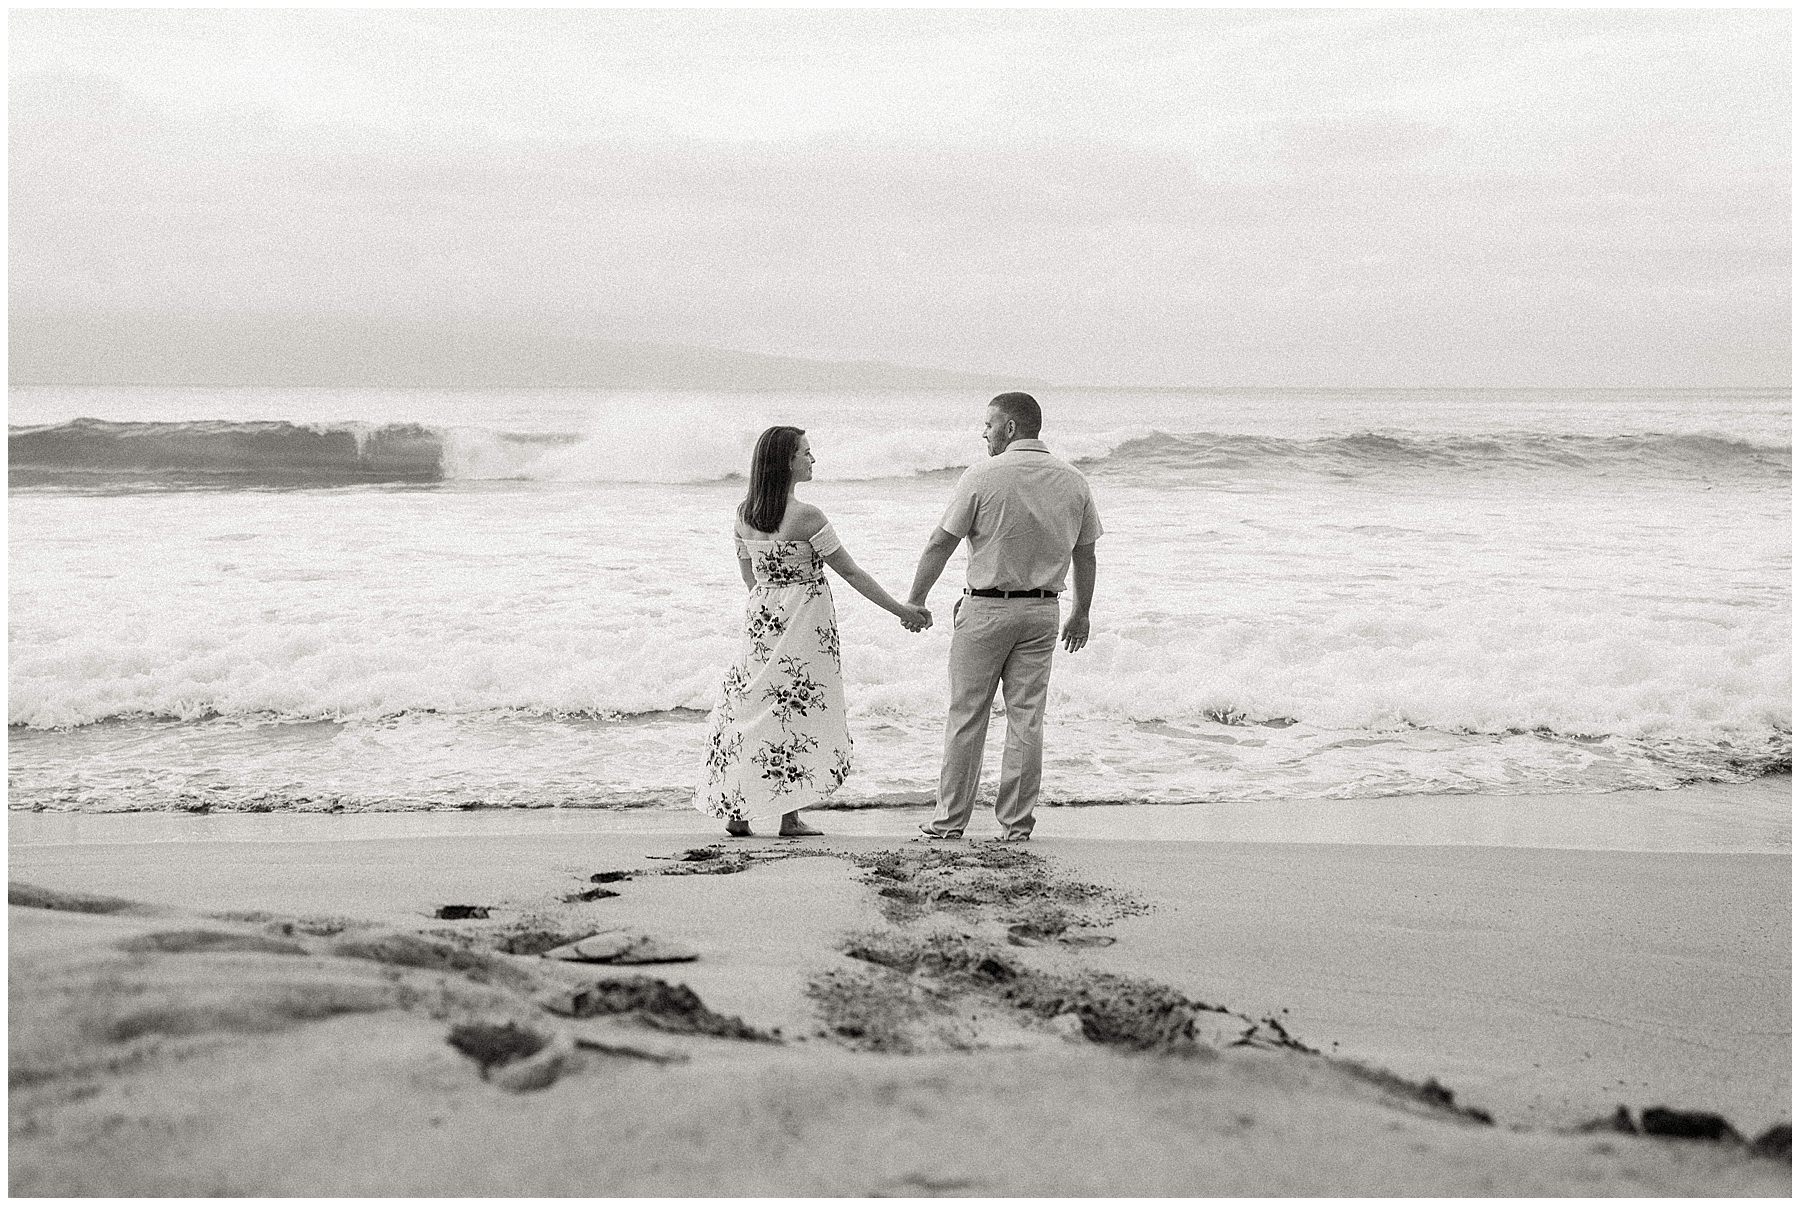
997, 642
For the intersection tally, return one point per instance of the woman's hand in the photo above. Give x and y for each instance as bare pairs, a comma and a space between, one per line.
914, 619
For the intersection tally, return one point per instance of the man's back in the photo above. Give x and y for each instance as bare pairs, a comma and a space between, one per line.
1023, 512
1026, 516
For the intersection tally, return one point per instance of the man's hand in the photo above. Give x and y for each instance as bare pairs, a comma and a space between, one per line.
1075, 632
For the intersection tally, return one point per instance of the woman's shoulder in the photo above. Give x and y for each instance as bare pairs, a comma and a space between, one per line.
804, 520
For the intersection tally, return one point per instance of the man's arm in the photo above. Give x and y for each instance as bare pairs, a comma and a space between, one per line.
931, 564
1075, 630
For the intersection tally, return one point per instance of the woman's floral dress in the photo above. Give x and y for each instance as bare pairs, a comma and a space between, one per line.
778, 739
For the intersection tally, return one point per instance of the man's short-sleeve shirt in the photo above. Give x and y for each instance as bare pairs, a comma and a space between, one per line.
1023, 513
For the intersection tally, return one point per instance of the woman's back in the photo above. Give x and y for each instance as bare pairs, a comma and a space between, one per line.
777, 741
801, 521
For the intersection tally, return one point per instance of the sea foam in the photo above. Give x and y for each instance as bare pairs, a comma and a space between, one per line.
1295, 607
1484, 667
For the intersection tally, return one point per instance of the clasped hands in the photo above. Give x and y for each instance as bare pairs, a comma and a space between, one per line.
915, 619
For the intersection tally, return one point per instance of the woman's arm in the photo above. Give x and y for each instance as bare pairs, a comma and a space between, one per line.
839, 559
743, 556
872, 590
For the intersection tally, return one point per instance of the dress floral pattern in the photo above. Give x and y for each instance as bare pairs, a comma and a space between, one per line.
777, 739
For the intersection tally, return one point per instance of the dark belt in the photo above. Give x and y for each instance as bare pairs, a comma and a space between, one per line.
1009, 594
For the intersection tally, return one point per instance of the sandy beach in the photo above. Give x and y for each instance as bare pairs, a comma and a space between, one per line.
271, 1005
1329, 469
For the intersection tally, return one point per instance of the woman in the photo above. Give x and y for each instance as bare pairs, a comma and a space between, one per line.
777, 741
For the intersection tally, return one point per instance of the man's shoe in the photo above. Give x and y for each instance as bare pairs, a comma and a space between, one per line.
935, 836
1013, 837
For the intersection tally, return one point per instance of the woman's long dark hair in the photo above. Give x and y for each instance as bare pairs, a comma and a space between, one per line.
771, 476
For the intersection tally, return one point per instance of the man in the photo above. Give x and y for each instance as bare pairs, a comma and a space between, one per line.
1027, 516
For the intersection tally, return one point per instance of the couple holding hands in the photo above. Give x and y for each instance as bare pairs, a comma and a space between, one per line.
778, 740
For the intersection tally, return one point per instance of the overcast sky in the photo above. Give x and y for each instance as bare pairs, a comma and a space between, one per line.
1351, 197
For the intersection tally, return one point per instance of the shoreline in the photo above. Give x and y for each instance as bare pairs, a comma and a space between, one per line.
1751, 817
1544, 986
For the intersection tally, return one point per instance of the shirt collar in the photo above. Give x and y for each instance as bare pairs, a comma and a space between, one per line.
1027, 446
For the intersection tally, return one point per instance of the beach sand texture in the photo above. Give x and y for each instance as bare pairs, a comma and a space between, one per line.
867, 1016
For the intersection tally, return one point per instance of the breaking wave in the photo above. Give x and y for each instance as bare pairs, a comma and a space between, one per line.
283, 454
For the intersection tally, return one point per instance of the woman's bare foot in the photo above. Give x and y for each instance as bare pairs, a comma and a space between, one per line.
793, 826
737, 828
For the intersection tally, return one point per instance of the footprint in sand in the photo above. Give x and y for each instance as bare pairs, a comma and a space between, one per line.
514, 1057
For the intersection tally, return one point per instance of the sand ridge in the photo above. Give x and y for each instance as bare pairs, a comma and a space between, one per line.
947, 990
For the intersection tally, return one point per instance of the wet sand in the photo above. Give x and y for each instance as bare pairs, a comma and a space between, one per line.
282, 1013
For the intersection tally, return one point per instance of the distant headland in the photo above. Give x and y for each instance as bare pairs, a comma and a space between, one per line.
336, 351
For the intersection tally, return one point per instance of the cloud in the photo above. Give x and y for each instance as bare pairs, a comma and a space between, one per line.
1352, 139
1163, 195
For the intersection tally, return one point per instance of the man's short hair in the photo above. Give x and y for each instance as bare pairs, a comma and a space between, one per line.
1023, 410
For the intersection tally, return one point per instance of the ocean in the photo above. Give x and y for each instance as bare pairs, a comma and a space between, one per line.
299, 600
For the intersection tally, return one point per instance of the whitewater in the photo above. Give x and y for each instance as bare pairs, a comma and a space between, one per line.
382, 599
